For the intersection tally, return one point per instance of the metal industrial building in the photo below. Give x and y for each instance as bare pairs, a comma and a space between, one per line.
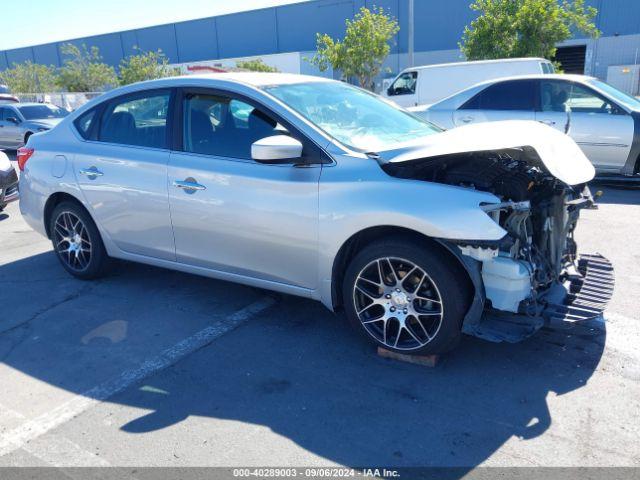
285, 35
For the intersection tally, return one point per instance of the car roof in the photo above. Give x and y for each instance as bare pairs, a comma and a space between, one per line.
545, 76
33, 104
537, 76
256, 79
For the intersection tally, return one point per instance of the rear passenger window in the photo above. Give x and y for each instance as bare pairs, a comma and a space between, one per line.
139, 119
220, 126
513, 95
84, 123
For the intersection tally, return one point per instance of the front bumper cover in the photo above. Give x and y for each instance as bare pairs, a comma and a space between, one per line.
582, 297
585, 294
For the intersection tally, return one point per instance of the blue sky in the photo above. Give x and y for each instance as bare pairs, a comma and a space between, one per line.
33, 22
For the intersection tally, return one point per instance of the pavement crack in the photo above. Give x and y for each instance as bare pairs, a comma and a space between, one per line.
69, 298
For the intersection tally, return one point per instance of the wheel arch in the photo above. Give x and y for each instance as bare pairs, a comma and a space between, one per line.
369, 235
51, 203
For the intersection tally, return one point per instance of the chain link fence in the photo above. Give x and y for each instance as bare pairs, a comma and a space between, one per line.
69, 101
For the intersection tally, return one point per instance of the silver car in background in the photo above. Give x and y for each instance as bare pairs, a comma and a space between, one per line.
18, 121
312, 187
603, 121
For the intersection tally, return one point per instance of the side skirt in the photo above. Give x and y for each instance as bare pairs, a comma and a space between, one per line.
218, 275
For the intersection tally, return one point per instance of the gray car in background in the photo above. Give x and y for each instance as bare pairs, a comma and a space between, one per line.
603, 121
21, 120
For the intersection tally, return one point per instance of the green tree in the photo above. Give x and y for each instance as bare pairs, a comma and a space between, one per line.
364, 48
145, 66
29, 77
256, 65
524, 28
84, 71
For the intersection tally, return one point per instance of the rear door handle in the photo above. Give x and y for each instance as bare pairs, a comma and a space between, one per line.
466, 119
189, 184
92, 172
547, 122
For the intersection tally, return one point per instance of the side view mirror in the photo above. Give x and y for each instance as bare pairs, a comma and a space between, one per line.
13, 120
276, 149
391, 91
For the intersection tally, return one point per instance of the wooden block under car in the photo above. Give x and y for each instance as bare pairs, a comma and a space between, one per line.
424, 360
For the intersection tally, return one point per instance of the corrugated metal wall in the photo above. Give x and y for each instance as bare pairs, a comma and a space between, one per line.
290, 28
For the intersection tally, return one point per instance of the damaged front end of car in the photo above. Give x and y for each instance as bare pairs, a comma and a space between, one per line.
533, 276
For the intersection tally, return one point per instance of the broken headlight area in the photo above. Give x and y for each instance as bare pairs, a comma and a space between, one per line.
533, 274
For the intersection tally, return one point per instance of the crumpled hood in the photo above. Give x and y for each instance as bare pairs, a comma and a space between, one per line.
559, 154
44, 122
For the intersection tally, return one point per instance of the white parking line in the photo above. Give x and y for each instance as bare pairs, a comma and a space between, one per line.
16, 438
51, 448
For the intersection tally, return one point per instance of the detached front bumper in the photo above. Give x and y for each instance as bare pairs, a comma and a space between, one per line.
9, 191
583, 296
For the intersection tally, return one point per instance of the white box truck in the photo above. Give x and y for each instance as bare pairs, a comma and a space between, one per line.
431, 83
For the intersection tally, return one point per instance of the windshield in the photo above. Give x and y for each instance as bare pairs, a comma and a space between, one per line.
615, 94
352, 116
38, 112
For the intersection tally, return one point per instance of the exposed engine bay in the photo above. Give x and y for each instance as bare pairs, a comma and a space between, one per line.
538, 211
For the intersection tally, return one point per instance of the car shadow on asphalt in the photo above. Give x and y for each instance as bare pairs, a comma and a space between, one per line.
303, 373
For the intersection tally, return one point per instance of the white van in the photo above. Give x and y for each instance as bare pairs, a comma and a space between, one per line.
431, 83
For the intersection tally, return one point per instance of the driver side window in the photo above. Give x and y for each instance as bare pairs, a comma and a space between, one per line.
405, 84
559, 96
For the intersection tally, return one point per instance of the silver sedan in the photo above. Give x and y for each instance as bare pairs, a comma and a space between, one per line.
18, 121
315, 188
603, 121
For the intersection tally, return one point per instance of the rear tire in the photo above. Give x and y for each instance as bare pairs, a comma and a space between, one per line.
406, 297
77, 242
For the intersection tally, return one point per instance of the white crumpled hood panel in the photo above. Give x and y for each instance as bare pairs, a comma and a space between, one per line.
558, 152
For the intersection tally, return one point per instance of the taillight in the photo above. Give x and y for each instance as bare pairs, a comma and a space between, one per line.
24, 154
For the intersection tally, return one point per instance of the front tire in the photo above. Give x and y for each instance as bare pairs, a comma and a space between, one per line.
77, 242
405, 297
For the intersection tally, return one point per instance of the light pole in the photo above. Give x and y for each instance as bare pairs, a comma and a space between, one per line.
411, 34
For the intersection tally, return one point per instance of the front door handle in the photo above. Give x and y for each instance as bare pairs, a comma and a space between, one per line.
189, 185
466, 119
547, 122
92, 172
